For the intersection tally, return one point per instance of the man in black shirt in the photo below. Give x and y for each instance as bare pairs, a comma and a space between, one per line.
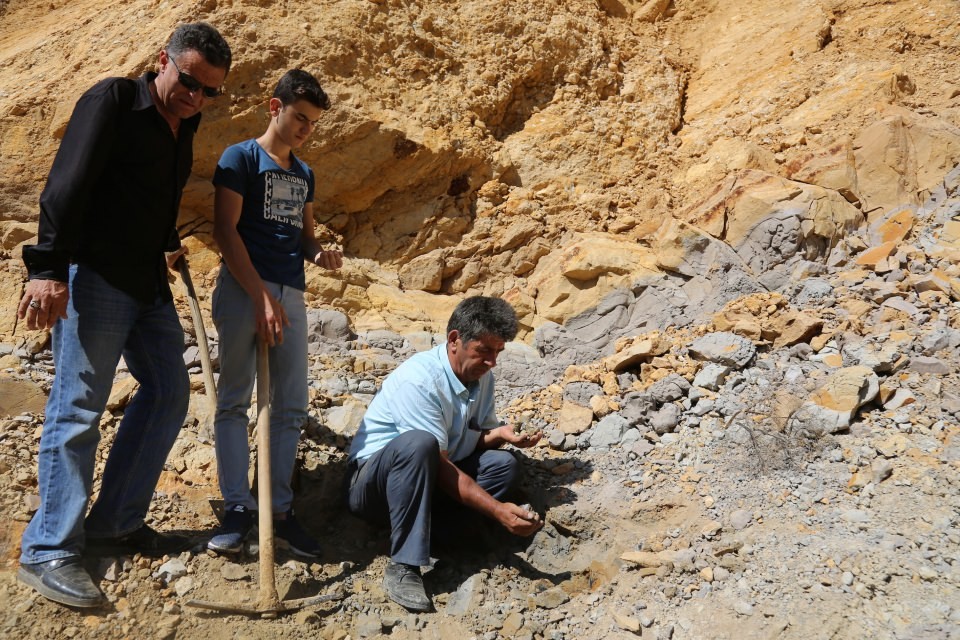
98, 279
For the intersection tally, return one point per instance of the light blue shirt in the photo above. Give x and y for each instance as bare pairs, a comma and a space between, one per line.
423, 393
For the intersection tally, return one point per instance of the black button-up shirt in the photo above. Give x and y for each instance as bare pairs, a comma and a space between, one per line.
113, 192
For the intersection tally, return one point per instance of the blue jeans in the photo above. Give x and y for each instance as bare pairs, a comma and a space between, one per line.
102, 324
233, 316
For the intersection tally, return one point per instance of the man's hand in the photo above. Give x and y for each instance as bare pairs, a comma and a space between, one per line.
519, 521
523, 440
332, 259
271, 317
174, 256
43, 302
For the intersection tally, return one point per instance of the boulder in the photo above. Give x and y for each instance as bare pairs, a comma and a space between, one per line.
723, 348
831, 407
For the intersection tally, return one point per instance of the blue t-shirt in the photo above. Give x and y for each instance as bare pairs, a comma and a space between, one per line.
271, 220
423, 393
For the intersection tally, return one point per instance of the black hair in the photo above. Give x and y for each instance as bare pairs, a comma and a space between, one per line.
298, 84
480, 315
205, 40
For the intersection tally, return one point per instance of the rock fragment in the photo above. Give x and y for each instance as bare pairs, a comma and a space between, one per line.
724, 348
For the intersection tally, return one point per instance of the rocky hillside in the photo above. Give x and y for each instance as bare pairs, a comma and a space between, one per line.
729, 229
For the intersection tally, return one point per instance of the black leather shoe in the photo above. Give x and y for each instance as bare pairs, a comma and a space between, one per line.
63, 580
144, 540
405, 586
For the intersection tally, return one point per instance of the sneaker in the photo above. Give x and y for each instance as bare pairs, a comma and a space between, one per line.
144, 541
404, 585
294, 537
237, 522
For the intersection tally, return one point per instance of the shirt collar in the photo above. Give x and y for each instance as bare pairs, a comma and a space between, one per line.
458, 387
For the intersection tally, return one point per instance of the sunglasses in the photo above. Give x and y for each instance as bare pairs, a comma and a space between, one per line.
193, 85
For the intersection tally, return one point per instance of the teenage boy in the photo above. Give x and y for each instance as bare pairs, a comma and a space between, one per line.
263, 224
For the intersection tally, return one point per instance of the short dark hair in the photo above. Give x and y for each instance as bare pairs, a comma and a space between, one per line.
480, 315
205, 40
298, 84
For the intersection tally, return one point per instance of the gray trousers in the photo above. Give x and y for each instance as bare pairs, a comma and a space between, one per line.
395, 486
234, 318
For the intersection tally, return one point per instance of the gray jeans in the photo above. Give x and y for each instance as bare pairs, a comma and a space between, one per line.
395, 486
233, 316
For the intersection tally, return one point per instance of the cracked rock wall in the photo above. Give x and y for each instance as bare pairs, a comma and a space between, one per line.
543, 151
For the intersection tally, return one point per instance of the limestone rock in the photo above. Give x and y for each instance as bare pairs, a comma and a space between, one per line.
929, 364
609, 431
423, 273
329, 324
345, 418
549, 598
20, 396
639, 350
723, 348
642, 558
881, 353
794, 327
592, 261
882, 146
769, 220
833, 167
688, 250
574, 419
665, 419
711, 376
833, 405
626, 622
892, 227
668, 389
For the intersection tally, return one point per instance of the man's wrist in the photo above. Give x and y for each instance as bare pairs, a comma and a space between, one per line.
494, 437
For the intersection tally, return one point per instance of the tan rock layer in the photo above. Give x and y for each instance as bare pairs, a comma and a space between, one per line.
530, 149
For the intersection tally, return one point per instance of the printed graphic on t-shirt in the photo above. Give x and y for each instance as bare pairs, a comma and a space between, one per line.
283, 199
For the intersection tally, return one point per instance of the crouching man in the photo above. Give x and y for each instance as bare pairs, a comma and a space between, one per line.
433, 424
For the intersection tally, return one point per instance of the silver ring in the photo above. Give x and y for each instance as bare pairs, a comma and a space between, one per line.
34, 304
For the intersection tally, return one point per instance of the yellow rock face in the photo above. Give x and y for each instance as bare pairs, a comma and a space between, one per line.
537, 154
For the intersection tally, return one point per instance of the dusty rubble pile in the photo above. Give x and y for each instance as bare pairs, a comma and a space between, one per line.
774, 462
